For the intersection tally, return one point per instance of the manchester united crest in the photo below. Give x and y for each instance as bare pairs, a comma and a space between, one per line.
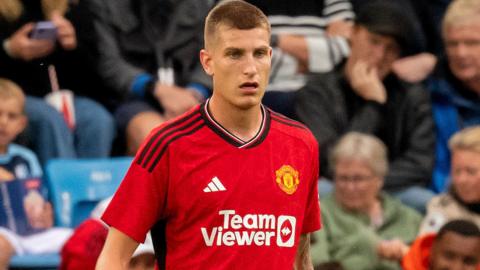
287, 179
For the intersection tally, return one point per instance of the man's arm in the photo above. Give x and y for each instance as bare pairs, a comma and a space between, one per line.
117, 251
302, 258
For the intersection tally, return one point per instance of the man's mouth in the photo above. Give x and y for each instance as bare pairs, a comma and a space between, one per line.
249, 85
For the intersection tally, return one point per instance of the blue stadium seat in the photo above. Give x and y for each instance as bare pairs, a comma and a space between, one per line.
75, 186
44, 262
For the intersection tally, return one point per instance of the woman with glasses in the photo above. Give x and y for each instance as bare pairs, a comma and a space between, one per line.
363, 227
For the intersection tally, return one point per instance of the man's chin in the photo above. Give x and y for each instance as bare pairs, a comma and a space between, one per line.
465, 74
249, 102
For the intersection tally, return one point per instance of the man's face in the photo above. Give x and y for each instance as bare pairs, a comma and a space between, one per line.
462, 43
12, 121
378, 51
466, 175
239, 62
455, 252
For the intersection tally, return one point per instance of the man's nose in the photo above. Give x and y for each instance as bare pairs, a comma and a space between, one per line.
457, 264
249, 66
461, 49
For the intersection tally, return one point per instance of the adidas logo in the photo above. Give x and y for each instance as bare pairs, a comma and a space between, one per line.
214, 186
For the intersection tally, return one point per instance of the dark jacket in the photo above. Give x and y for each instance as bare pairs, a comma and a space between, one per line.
137, 37
72, 68
330, 108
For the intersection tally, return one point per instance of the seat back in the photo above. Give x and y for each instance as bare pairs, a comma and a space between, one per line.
77, 185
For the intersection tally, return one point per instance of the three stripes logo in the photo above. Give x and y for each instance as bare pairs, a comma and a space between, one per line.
214, 186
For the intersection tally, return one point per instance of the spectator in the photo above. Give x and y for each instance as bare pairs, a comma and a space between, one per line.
308, 36
363, 228
462, 201
26, 60
455, 87
416, 67
364, 95
148, 54
455, 247
16, 164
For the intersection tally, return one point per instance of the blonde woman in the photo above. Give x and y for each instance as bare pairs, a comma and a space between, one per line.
462, 200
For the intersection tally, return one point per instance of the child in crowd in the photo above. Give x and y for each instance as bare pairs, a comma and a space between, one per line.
17, 163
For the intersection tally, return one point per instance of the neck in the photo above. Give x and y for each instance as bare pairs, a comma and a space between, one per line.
375, 212
474, 85
473, 207
243, 123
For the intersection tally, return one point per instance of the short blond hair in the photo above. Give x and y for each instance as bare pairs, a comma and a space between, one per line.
466, 139
236, 14
10, 90
364, 147
460, 12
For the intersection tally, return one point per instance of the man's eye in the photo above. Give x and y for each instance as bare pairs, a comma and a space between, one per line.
472, 42
12, 116
259, 54
234, 55
452, 43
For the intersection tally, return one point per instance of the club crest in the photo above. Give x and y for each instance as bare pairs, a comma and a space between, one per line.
287, 179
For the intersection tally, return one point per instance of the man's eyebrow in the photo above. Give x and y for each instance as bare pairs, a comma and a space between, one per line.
233, 49
262, 48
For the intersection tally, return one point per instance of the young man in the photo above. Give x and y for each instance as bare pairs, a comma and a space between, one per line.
364, 95
230, 184
455, 247
18, 163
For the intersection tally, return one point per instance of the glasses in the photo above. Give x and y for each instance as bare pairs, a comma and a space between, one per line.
353, 178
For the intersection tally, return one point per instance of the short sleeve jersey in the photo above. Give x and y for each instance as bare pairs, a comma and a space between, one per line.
214, 201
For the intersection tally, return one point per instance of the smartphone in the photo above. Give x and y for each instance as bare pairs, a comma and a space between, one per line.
44, 30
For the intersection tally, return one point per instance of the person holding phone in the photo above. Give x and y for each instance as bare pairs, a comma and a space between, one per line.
33, 36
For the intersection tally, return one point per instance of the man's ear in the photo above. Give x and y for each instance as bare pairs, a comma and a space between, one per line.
206, 60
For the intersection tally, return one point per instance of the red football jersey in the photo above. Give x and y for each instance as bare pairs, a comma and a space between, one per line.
214, 201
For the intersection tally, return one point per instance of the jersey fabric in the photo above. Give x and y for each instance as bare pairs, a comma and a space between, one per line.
220, 202
21, 162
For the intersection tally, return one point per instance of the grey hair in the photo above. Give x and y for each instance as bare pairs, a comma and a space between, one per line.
460, 12
364, 147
